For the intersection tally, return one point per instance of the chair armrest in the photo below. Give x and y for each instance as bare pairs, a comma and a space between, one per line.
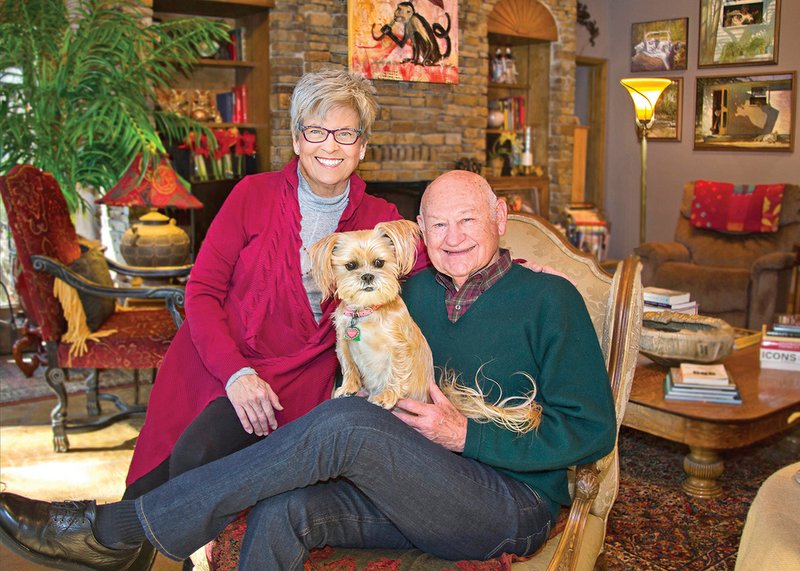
773, 261
146, 272
173, 296
653, 254
587, 484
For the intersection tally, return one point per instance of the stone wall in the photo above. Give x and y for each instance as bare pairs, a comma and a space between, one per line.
423, 128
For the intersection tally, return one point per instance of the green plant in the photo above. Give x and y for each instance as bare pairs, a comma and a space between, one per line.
746, 47
77, 85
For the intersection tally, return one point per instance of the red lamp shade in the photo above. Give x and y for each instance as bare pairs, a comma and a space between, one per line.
160, 187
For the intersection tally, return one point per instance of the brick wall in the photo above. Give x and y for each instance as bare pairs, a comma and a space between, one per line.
423, 128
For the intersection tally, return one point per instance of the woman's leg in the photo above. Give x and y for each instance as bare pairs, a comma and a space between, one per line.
478, 513
215, 433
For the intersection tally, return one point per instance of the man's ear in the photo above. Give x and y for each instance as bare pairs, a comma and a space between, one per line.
501, 210
421, 224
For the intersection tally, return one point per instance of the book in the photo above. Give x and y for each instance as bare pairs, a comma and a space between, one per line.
779, 359
673, 306
788, 319
690, 308
225, 106
695, 373
781, 345
779, 335
676, 383
664, 295
745, 337
673, 391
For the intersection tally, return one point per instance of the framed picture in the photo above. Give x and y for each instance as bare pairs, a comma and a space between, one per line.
659, 45
402, 41
520, 199
745, 112
738, 32
668, 113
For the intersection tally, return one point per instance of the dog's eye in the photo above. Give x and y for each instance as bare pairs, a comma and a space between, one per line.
350, 266
378, 263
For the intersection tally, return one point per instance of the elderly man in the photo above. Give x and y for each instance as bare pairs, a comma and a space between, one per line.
353, 474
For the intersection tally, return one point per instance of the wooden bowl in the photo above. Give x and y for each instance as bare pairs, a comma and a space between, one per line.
670, 338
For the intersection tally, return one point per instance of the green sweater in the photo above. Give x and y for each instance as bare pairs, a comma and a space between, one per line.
537, 323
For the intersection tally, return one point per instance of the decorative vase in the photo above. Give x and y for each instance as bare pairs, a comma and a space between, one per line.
495, 119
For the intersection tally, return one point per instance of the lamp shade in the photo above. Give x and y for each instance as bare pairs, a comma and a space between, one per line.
645, 92
160, 187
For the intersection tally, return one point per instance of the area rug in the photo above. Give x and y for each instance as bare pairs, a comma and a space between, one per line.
95, 466
655, 526
16, 388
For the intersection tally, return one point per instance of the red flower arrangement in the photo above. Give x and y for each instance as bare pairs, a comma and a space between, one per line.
242, 144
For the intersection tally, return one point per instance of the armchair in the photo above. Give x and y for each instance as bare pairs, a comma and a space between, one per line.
743, 279
615, 307
48, 248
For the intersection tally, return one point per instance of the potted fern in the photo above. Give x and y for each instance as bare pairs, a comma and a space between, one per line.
77, 85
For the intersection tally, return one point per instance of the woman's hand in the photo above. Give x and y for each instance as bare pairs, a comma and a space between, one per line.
439, 422
255, 403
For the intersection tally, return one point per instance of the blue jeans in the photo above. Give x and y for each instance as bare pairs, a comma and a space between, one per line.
347, 474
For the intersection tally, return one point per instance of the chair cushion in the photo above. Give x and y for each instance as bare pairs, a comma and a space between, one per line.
140, 342
715, 289
92, 265
743, 208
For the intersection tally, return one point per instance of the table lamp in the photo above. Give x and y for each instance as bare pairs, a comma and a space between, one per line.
155, 240
645, 92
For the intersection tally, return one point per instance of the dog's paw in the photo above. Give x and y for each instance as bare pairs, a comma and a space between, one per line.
385, 399
342, 392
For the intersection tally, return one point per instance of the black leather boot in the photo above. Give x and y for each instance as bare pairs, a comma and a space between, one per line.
58, 535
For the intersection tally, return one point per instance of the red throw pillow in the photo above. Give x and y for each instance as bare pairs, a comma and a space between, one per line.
736, 208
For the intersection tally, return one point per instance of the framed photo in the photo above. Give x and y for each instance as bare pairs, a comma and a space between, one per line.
403, 41
520, 199
738, 32
668, 113
659, 45
745, 112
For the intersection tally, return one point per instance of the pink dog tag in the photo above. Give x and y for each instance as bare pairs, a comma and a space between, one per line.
353, 333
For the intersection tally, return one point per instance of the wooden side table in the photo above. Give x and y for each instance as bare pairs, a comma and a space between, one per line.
770, 406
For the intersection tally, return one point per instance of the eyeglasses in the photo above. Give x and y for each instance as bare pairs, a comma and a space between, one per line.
314, 134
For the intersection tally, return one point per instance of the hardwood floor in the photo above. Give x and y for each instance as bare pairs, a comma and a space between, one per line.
38, 413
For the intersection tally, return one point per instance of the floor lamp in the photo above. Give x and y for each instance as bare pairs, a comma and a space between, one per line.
645, 92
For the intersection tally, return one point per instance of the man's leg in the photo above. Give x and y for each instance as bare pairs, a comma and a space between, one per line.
282, 530
477, 513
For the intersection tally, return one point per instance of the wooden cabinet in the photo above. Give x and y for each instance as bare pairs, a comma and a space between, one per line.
251, 70
525, 28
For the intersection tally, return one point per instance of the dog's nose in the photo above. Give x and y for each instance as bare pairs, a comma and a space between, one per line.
367, 278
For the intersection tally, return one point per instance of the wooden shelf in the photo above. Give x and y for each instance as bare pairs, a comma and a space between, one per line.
225, 63
213, 8
513, 86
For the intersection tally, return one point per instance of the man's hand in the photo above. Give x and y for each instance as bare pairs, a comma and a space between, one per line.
255, 403
439, 422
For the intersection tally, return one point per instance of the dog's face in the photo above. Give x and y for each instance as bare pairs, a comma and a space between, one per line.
363, 268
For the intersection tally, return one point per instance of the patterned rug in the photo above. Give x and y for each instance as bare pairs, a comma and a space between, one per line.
655, 526
16, 388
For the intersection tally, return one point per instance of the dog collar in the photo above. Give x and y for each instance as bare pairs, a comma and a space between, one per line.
356, 313
353, 333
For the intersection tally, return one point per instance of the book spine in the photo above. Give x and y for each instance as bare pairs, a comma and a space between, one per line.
780, 359
655, 298
780, 345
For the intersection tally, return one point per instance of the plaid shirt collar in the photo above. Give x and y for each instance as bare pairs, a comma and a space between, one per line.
459, 300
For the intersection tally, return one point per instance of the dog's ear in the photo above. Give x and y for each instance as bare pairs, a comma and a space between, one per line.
321, 253
404, 235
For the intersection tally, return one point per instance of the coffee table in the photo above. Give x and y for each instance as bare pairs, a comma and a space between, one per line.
770, 406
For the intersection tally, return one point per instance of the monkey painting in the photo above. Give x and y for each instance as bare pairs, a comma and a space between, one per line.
422, 35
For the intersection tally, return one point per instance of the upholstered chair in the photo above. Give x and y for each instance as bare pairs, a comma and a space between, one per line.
742, 278
615, 307
51, 260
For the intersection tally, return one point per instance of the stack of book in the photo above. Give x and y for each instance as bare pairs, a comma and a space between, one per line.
662, 299
780, 343
702, 383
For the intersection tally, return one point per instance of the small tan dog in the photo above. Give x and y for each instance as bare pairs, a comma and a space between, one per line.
380, 348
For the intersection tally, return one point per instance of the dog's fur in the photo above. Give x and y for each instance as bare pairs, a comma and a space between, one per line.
391, 359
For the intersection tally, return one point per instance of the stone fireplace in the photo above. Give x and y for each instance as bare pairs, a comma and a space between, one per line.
423, 128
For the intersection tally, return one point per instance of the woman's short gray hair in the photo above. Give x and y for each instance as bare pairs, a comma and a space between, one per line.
319, 92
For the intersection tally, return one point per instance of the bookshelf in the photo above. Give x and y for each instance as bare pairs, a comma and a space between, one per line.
526, 32
250, 69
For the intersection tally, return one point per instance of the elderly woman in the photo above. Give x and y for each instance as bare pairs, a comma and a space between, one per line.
257, 348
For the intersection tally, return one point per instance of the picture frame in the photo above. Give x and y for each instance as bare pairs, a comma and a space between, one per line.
402, 41
745, 112
520, 199
668, 113
659, 45
738, 32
